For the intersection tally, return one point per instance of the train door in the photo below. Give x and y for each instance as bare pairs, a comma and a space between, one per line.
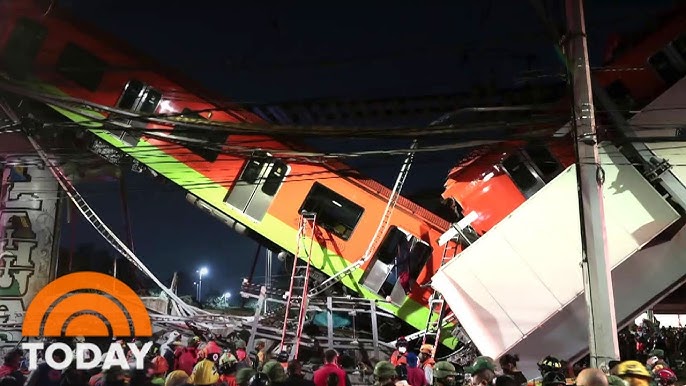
531, 168
396, 264
257, 185
137, 97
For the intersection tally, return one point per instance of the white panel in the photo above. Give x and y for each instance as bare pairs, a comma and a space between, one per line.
661, 118
638, 283
524, 305
557, 268
529, 262
478, 311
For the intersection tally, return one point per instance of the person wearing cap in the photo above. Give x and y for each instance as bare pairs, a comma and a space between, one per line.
427, 362
399, 355
444, 374
415, 375
660, 354
634, 373
482, 371
384, 374
275, 372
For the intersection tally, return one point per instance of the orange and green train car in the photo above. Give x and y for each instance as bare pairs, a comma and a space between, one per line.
261, 194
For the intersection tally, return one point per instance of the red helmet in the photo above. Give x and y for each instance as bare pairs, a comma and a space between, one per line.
666, 377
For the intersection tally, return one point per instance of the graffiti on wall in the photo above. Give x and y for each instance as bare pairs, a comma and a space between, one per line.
28, 207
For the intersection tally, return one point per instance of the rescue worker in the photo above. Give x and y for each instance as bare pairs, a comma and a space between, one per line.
634, 373
186, 357
275, 372
666, 377
384, 374
169, 346
482, 371
176, 378
660, 354
204, 373
444, 374
554, 378
259, 379
399, 355
244, 375
227, 369
613, 380
548, 364
260, 354
212, 351
426, 362
283, 359
159, 369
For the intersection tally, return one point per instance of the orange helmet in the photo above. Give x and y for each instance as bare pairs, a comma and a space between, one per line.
159, 365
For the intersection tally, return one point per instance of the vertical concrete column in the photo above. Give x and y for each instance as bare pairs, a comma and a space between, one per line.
29, 200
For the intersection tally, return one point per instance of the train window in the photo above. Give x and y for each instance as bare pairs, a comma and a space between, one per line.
335, 213
543, 159
132, 92
81, 67
661, 63
215, 138
274, 178
679, 45
22, 47
522, 176
252, 171
137, 97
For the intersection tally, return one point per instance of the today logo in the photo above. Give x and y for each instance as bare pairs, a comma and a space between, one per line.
88, 304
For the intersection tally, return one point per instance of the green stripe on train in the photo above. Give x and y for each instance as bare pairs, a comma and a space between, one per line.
281, 233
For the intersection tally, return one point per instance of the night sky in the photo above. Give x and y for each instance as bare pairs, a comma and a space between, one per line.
260, 53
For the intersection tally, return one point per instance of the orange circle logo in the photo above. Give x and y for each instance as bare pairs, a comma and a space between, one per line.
88, 304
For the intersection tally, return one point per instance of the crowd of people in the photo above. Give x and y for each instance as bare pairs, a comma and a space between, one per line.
653, 360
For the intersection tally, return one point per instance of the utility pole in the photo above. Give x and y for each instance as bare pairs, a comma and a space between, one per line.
602, 322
